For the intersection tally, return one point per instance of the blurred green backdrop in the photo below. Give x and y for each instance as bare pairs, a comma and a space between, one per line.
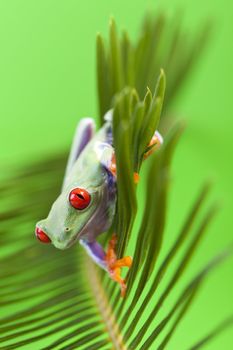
47, 69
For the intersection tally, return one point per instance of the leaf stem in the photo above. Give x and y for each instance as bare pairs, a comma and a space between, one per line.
104, 307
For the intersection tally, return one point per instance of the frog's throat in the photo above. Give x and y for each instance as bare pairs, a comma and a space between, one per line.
79, 234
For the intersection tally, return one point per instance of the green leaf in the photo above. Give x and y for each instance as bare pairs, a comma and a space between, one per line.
115, 59
124, 63
103, 81
215, 332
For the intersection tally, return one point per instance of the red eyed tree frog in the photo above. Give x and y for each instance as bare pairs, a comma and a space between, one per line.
86, 206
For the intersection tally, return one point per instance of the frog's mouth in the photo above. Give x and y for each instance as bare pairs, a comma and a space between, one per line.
62, 244
87, 229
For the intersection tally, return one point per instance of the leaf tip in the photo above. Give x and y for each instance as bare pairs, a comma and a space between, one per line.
112, 23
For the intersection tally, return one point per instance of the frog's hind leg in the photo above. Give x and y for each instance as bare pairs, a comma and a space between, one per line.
153, 145
83, 134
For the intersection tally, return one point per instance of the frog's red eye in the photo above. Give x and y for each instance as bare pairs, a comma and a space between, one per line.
79, 198
41, 235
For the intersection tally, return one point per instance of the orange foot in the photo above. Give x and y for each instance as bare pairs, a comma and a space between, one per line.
114, 266
154, 144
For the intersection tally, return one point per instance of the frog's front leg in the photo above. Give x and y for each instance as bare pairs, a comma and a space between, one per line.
96, 252
108, 261
153, 145
114, 265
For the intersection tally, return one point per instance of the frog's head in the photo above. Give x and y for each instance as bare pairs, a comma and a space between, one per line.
68, 217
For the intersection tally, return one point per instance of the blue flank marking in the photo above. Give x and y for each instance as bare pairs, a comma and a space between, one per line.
111, 183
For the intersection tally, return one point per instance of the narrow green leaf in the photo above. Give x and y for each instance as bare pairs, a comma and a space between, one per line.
103, 79
152, 117
180, 316
214, 333
126, 200
128, 56
117, 80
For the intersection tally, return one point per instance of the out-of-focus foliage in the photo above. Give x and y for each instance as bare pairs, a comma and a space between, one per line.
61, 300
162, 43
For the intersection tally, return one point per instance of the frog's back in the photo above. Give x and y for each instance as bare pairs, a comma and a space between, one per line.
89, 164
90, 171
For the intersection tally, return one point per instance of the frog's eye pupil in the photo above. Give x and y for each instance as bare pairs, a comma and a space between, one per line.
79, 198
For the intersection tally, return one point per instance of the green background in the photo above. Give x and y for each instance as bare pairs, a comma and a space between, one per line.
47, 82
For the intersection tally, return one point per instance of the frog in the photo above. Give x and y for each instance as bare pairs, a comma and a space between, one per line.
86, 205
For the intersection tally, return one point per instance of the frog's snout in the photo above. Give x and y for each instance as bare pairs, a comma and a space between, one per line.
42, 236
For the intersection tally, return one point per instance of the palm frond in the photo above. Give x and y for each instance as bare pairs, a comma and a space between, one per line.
58, 297
60, 300
160, 44
132, 132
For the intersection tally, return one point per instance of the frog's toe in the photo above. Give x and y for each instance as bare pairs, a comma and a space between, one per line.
115, 275
124, 262
155, 143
